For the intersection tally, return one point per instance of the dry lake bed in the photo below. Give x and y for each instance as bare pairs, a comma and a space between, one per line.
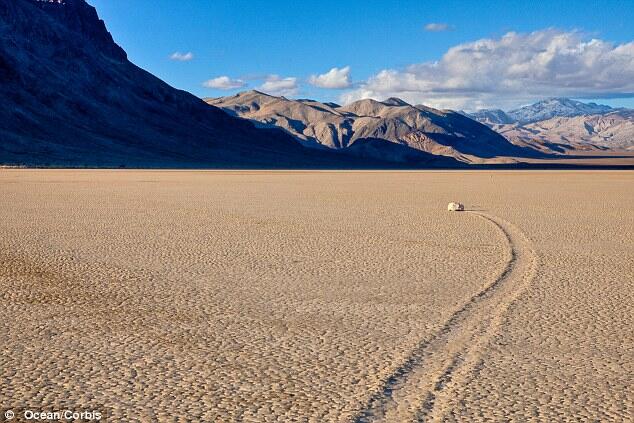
318, 296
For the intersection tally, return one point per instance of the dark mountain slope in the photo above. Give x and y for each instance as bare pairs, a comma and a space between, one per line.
70, 97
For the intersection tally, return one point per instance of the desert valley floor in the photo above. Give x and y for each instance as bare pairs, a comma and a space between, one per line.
318, 296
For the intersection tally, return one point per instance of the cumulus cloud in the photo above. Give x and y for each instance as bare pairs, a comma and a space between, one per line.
438, 27
224, 83
182, 57
335, 78
512, 70
276, 85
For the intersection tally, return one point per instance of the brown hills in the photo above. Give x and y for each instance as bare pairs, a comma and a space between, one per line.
419, 129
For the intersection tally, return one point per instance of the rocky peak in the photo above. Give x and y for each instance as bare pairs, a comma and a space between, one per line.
490, 116
556, 106
395, 101
82, 19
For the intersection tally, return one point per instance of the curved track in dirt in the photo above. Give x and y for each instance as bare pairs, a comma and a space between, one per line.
431, 379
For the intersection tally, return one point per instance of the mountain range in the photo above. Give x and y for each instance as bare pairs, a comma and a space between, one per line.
69, 96
416, 129
542, 110
559, 125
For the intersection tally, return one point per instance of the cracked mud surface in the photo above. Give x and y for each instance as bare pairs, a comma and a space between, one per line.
318, 296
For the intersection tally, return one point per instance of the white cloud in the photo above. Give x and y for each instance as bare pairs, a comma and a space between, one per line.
438, 27
276, 85
224, 83
512, 70
182, 57
335, 78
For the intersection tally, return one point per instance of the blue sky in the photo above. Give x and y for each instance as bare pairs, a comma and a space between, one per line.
250, 41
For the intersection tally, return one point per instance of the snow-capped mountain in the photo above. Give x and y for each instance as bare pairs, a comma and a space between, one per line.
555, 107
608, 131
559, 124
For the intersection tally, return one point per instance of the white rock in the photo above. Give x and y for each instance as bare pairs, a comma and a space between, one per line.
455, 207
